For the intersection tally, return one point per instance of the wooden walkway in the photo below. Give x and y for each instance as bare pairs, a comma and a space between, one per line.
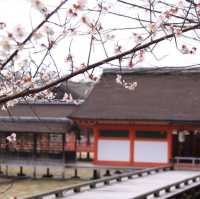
159, 182
133, 188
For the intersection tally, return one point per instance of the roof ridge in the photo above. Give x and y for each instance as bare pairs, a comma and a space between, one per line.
153, 70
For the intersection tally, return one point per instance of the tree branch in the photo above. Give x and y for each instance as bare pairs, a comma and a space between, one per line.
27, 92
32, 33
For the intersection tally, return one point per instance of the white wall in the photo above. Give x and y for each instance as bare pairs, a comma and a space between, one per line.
151, 151
113, 150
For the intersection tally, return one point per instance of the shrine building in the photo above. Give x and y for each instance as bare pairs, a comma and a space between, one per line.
149, 126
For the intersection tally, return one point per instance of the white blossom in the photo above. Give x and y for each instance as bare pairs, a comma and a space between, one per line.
5, 44
3, 108
125, 84
45, 77
9, 138
12, 103
19, 32
119, 79
39, 5
67, 97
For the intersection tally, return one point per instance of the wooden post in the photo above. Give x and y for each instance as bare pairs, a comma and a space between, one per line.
1, 172
75, 174
80, 155
1, 158
88, 156
59, 194
34, 154
96, 174
21, 173
48, 174
21, 170
77, 189
6, 170
88, 144
63, 152
34, 171
107, 173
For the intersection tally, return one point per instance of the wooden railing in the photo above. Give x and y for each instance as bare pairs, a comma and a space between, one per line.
190, 191
192, 160
170, 188
105, 181
79, 147
186, 163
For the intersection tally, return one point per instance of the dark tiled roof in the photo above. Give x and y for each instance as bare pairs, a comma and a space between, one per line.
40, 109
33, 127
37, 118
161, 94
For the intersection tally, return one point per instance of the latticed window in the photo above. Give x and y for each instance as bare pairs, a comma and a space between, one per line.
151, 134
114, 133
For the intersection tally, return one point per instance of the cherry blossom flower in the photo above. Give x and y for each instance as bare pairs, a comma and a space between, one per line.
45, 77
69, 58
67, 97
81, 3
72, 13
92, 77
38, 4
118, 48
118, 79
152, 27
38, 35
184, 49
19, 32
78, 102
48, 30
131, 85
5, 44
9, 138
3, 107
137, 38
13, 137
178, 31
2, 25
12, 103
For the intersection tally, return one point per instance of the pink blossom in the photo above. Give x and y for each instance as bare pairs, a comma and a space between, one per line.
19, 32
152, 27
67, 97
178, 31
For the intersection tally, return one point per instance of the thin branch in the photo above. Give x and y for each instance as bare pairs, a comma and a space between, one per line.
185, 18
28, 38
29, 91
156, 11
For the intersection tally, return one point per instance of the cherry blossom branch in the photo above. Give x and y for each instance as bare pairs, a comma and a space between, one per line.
28, 38
139, 47
178, 24
155, 11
